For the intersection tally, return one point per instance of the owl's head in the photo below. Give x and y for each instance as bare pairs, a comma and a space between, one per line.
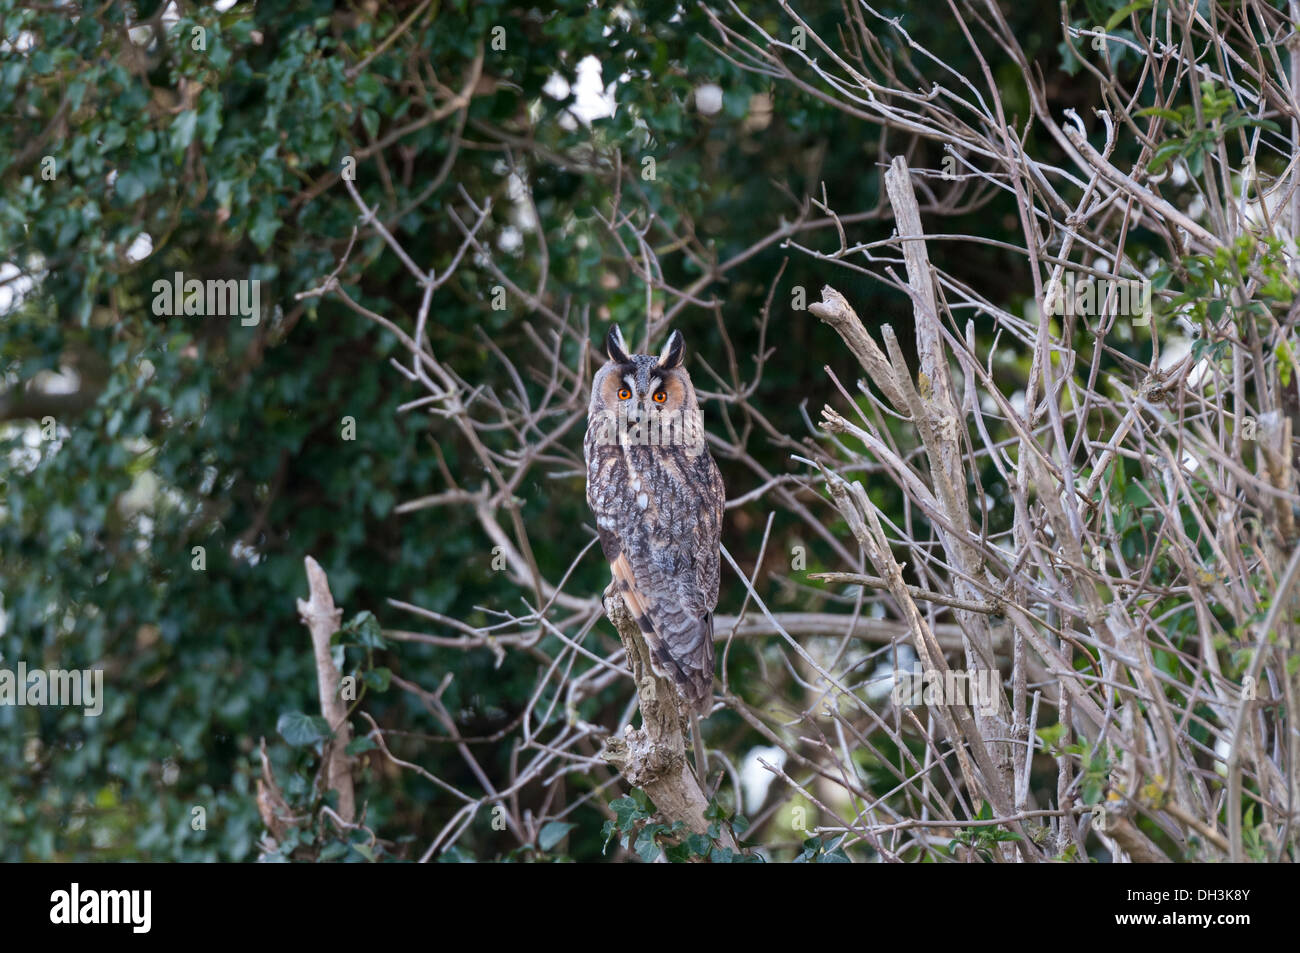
645, 398
644, 384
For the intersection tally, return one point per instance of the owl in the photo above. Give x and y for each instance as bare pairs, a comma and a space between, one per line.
657, 496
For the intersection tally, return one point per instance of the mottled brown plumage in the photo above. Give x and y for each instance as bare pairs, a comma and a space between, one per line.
658, 497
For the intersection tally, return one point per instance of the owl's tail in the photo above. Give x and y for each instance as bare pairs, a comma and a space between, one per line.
685, 655
682, 651
695, 645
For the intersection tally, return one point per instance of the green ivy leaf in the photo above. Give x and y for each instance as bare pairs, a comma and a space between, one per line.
300, 730
552, 833
1124, 13
361, 745
626, 811
646, 847
365, 628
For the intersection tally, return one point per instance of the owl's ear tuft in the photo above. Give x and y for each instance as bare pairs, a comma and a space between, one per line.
671, 355
615, 349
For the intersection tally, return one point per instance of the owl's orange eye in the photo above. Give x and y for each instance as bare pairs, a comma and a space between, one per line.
624, 393
660, 397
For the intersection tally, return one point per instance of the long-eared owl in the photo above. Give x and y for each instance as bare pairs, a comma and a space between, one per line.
658, 497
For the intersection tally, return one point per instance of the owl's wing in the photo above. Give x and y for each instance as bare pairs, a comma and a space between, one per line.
659, 555
708, 531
